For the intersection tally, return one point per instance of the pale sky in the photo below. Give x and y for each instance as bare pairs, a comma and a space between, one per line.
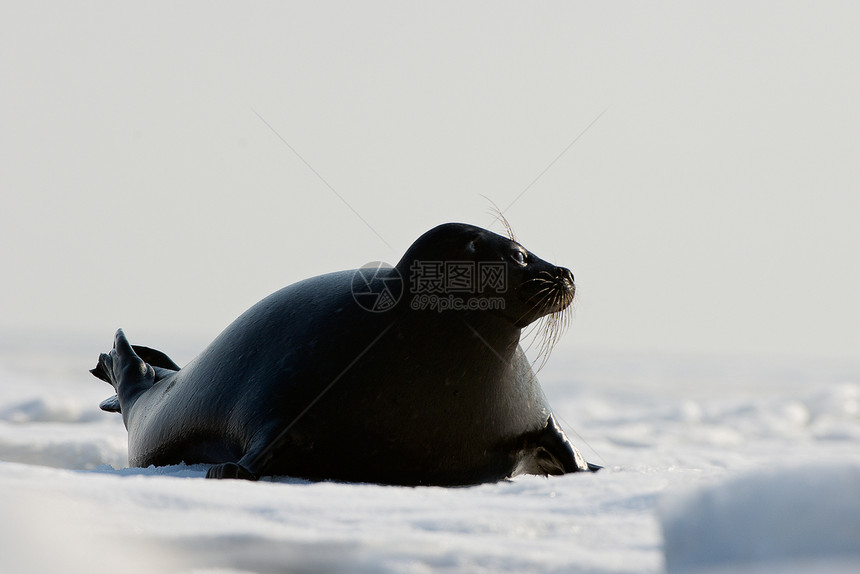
712, 207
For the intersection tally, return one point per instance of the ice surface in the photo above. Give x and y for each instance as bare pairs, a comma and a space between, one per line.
753, 466
803, 512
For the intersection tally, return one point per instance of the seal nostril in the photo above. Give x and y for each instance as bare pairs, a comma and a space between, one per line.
564, 274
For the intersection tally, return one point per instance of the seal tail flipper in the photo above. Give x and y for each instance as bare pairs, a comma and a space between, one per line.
111, 404
161, 364
100, 371
104, 371
127, 373
155, 358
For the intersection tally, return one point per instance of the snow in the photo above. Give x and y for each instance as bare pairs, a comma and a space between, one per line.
793, 514
712, 465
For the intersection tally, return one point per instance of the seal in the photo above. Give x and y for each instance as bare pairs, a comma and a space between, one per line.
426, 386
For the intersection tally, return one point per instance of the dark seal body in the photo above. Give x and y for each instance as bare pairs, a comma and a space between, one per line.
309, 383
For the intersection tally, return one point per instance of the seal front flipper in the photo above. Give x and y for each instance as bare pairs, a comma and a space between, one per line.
548, 451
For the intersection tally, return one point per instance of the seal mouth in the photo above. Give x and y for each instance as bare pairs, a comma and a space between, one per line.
548, 292
548, 296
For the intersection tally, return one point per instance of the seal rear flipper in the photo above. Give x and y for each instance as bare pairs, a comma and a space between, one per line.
111, 405
155, 358
130, 375
102, 370
248, 467
253, 464
230, 470
161, 363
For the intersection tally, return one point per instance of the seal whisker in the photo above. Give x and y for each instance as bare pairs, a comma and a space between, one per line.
552, 326
539, 281
500, 217
538, 305
540, 298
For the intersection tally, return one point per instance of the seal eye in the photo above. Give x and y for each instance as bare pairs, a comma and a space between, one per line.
519, 257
